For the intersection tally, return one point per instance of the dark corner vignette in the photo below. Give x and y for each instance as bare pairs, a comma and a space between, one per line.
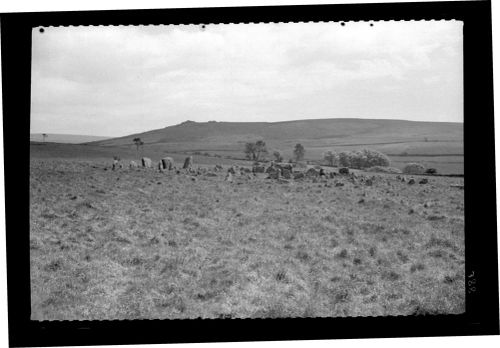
295, 167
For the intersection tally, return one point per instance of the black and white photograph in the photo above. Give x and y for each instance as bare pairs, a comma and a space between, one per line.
260, 170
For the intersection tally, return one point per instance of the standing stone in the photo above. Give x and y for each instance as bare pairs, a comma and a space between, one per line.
188, 162
229, 177
146, 162
117, 165
167, 163
133, 164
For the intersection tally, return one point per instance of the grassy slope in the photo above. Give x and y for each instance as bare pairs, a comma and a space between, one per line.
324, 131
140, 244
392, 137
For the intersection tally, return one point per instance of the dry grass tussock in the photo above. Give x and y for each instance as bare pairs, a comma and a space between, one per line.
142, 244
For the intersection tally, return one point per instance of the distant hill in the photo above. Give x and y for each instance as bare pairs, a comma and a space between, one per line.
65, 138
311, 133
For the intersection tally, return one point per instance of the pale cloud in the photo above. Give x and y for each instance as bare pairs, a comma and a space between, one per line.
119, 80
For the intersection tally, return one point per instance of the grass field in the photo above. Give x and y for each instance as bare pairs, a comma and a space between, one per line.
136, 244
441, 158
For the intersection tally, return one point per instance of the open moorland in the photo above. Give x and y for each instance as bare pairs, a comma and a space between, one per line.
434, 144
138, 243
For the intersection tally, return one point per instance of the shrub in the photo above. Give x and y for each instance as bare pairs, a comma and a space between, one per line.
379, 169
413, 168
278, 156
431, 171
364, 158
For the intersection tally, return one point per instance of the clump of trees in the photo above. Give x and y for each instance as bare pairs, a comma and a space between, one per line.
256, 151
359, 159
331, 158
413, 168
278, 156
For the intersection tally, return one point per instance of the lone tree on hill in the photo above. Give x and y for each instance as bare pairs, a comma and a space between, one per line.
255, 151
299, 152
250, 151
138, 142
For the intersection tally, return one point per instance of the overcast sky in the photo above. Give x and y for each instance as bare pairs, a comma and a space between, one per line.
115, 81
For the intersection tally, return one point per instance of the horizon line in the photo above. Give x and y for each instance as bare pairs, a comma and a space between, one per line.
263, 122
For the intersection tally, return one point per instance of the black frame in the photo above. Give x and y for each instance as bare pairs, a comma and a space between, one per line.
482, 314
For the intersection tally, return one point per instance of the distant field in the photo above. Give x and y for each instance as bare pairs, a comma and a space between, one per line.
444, 164
135, 244
65, 138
